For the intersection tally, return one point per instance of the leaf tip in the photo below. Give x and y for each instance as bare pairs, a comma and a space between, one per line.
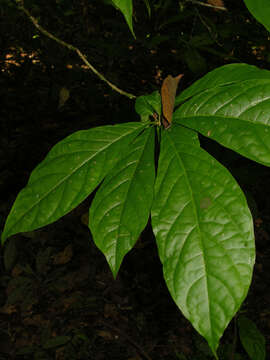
4, 235
3, 239
114, 269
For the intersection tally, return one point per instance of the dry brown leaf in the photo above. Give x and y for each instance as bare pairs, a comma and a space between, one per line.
8, 309
85, 218
168, 92
105, 334
64, 95
110, 311
35, 320
72, 299
17, 270
64, 256
217, 3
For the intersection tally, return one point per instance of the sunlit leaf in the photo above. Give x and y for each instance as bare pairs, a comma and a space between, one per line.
204, 232
234, 113
69, 173
121, 207
223, 76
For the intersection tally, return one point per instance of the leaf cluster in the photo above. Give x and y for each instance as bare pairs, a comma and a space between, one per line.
200, 217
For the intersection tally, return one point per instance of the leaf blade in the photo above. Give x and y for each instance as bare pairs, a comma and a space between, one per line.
235, 115
67, 175
222, 76
148, 105
251, 338
260, 9
121, 207
197, 240
126, 8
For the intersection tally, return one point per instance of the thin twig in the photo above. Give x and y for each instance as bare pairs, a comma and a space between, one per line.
213, 36
208, 5
138, 347
73, 48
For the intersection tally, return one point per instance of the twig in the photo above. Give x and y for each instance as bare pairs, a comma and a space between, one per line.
208, 5
138, 347
213, 36
73, 48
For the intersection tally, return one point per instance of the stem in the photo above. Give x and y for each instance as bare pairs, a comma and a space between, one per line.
208, 5
73, 48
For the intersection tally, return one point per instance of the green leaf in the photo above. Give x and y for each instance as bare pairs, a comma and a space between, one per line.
121, 207
56, 341
27, 350
126, 7
147, 4
223, 76
194, 60
69, 173
251, 338
235, 115
260, 9
202, 40
204, 233
147, 105
225, 352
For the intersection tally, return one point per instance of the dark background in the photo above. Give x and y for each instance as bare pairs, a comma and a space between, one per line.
58, 299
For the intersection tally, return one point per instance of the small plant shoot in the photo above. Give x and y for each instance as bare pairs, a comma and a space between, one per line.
199, 214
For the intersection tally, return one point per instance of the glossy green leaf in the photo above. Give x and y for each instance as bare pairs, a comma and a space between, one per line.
126, 7
147, 105
223, 76
251, 338
204, 233
260, 9
121, 207
69, 173
235, 115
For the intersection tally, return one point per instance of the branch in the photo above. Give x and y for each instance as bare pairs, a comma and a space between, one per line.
73, 48
208, 5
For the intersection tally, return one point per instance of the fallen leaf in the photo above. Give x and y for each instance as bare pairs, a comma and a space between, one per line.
63, 96
8, 309
217, 3
110, 311
85, 218
64, 256
105, 334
